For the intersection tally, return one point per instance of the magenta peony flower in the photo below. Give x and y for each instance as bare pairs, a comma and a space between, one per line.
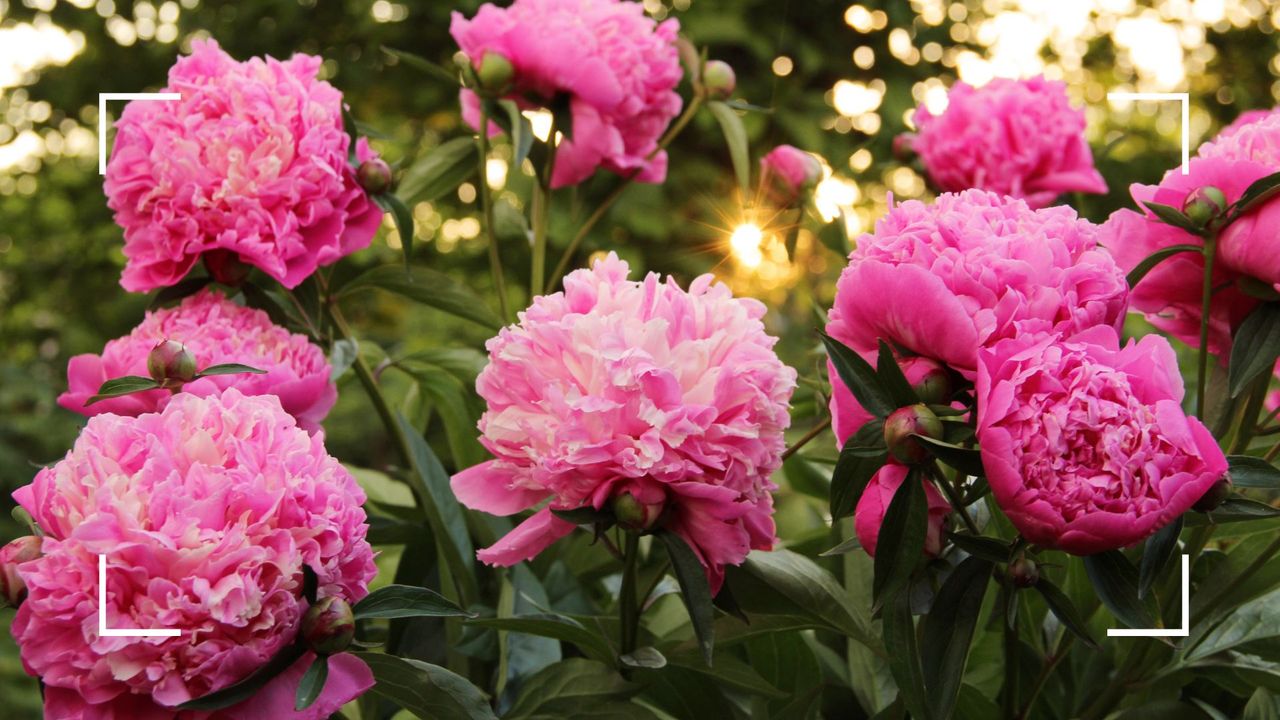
869, 515
207, 512
788, 171
617, 387
847, 414
216, 331
252, 161
1085, 442
616, 67
942, 280
1013, 137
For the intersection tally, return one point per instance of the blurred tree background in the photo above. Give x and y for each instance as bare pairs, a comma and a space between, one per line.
837, 79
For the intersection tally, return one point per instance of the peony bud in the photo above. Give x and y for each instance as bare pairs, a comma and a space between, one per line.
904, 147
1214, 496
374, 175
226, 267
934, 385
171, 364
634, 514
1023, 572
905, 422
24, 549
495, 73
329, 626
1204, 205
719, 79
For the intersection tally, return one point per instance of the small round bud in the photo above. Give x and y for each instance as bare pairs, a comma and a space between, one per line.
1023, 572
1214, 496
495, 73
905, 422
171, 364
1204, 205
374, 175
329, 626
634, 514
719, 79
904, 147
226, 267
933, 385
12, 590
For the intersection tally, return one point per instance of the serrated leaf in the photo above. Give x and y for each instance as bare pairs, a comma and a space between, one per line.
1150, 262
1116, 581
440, 171
403, 219
312, 683
1253, 472
401, 601
858, 375
694, 590
900, 544
122, 386
229, 369
428, 691
1156, 553
948, 632
1063, 609
735, 135
429, 287
1255, 348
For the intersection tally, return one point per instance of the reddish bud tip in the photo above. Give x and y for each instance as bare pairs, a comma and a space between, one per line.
226, 267
1023, 572
719, 79
12, 590
329, 626
1204, 205
171, 364
905, 422
374, 176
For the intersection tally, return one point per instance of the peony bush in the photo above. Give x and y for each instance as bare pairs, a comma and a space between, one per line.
989, 432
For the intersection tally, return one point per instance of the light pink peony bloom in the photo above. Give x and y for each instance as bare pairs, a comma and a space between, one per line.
616, 386
787, 171
1085, 442
207, 512
1013, 137
216, 331
944, 279
869, 515
615, 66
252, 160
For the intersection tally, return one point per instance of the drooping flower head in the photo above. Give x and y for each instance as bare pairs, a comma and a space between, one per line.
215, 330
1013, 137
616, 68
617, 387
251, 164
207, 512
1085, 442
869, 515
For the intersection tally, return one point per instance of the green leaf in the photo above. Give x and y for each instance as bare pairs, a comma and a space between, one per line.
269, 302
1149, 263
730, 670
312, 683
948, 632
585, 515
900, 544
845, 547
349, 126
448, 395
1159, 548
1172, 216
903, 652
690, 58
1116, 581
561, 117
1253, 472
694, 589
1253, 626
438, 172
519, 132
984, 547
852, 473
122, 386
1257, 192
342, 356
736, 137
1255, 348
417, 62
401, 601
892, 379
177, 291
558, 627
229, 369
248, 687
1063, 609
566, 688
403, 219
788, 663
861, 379
1233, 509
429, 287
645, 657
428, 691
966, 460
787, 583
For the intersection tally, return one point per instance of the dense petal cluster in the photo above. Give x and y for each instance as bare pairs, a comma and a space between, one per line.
215, 330
1085, 442
207, 512
252, 161
1014, 137
616, 386
615, 67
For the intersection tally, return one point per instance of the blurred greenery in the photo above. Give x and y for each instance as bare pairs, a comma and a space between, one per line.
60, 253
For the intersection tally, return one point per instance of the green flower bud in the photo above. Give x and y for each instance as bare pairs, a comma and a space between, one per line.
1023, 572
632, 514
1204, 205
495, 73
719, 79
905, 422
329, 626
374, 176
171, 364
935, 386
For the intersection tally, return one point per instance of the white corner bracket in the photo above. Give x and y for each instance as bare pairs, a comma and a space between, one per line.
1184, 98
102, 118
103, 630
1183, 631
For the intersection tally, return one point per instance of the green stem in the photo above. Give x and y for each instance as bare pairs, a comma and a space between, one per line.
953, 497
486, 206
628, 608
1249, 420
1206, 301
1009, 698
1050, 662
809, 436
541, 214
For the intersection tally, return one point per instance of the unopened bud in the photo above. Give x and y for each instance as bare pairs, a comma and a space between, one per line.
24, 549
329, 626
171, 364
1204, 205
1023, 572
1214, 496
933, 384
905, 422
904, 147
632, 514
495, 73
226, 267
719, 79
374, 175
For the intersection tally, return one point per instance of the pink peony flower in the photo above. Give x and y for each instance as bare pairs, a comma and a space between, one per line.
616, 68
1013, 137
216, 331
847, 414
207, 512
252, 160
1085, 442
869, 515
619, 387
942, 280
787, 171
